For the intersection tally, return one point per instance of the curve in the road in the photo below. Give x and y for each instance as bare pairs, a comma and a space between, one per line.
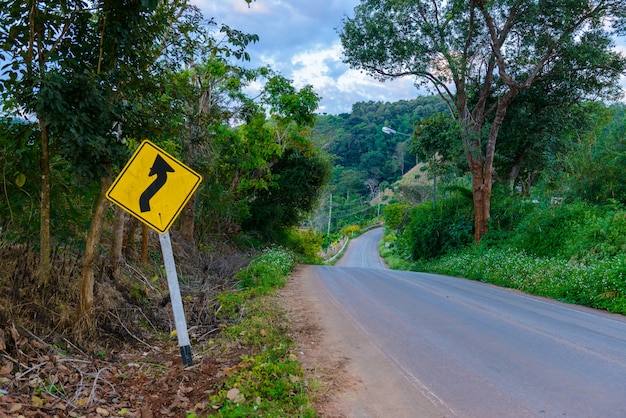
481, 351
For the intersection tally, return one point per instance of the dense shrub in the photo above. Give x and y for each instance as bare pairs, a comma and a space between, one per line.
434, 232
330, 239
542, 232
351, 230
397, 216
595, 283
507, 211
307, 243
268, 271
577, 230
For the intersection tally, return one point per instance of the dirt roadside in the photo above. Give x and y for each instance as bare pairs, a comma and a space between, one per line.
357, 380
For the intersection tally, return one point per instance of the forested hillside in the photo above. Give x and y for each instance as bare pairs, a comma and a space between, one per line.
364, 157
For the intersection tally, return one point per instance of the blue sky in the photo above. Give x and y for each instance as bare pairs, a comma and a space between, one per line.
299, 39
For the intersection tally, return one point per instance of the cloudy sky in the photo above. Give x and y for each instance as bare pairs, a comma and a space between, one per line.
299, 39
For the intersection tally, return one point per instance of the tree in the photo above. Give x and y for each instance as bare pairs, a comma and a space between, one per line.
594, 170
300, 176
288, 173
208, 94
540, 126
33, 35
73, 65
480, 55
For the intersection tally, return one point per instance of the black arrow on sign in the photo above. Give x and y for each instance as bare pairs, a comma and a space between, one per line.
160, 168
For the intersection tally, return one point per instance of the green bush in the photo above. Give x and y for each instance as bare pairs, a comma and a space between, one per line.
330, 239
507, 212
268, 271
596, 283
578, 230
307, 243
397, 216
542, 232
434, 232
351, 230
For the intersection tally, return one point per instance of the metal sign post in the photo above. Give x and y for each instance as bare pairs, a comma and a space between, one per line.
177, 302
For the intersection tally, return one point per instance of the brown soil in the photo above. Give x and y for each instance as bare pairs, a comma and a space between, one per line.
322, 363
129, 367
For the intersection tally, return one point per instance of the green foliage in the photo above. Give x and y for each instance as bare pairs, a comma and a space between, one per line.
289, 104
507, 211
267, 271
351, 230
331, 239
268, 386
433, 232
594, 168
306, 243
541, 126
20, 177
397, 216
299, 178
576, 230
362, 151
345, 212
597, 283
269, 382
439, 134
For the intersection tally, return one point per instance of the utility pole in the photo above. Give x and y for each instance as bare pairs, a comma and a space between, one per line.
330, 213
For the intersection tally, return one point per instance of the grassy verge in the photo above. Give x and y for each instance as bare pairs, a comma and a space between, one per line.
269, 381
597, 283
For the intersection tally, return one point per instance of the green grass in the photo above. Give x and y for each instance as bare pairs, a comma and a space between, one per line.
269, 381
597, 283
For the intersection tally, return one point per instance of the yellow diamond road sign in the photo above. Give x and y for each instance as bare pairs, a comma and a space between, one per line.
154, 187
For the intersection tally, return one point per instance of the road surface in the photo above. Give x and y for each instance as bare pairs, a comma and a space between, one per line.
476, 350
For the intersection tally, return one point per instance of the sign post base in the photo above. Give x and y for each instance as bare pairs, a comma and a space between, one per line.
177, 302
185, 353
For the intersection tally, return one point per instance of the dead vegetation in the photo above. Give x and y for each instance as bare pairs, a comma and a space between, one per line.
131, 365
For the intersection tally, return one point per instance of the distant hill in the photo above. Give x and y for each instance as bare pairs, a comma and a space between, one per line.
414, 185
362, 152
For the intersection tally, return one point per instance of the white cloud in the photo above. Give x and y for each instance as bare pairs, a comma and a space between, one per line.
299, 39
340, 86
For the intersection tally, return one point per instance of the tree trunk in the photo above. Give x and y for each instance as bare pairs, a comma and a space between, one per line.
481, 194
45, 267
85, 300
189, 213
128, 248
188, 221
116, 257
482, 169
515, 170
145, 240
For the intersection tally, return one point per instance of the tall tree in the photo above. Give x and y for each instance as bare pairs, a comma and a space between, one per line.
210, 92
38, 40
479, 55
73, 65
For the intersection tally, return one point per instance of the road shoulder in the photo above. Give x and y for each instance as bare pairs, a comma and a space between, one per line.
357, 380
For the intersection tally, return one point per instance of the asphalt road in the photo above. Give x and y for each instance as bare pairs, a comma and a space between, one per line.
476, 350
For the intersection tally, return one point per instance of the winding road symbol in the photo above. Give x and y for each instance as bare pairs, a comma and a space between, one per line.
154, 186
160, 168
